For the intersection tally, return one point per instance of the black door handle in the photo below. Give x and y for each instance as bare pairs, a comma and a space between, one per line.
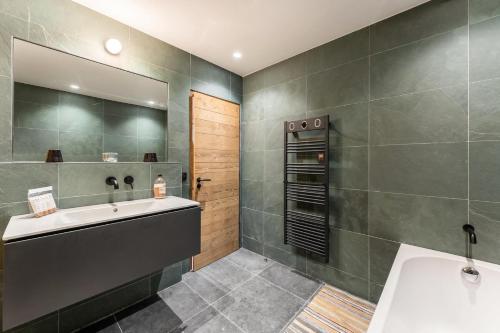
199, 180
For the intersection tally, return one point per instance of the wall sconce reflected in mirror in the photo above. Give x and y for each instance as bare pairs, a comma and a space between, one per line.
113, 46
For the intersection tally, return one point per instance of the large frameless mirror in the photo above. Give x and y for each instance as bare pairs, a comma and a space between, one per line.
84, 109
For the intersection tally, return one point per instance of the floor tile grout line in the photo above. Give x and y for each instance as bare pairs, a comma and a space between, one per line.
270, 282
304, 302
210, 304
232, 322
117, 323
307, 302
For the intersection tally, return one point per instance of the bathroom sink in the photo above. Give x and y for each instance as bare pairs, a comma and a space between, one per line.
110, 212
23, 226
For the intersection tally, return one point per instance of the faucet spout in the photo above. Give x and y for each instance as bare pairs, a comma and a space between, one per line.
112, 181
469, 228
471, 239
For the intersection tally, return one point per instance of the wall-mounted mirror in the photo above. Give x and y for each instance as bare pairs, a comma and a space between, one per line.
83, 108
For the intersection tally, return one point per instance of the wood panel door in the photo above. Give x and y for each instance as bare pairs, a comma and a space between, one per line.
215, 155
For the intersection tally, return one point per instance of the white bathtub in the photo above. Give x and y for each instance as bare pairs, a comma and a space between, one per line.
426, 293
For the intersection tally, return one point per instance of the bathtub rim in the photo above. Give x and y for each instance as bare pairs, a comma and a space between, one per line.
405, 253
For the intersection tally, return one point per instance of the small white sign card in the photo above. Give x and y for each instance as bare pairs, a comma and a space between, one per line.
41, 201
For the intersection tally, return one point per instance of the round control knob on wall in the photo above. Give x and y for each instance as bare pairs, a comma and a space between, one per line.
291, 126
317, 123
304, 124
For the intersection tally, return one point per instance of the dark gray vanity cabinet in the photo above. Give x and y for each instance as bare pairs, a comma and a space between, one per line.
49, 272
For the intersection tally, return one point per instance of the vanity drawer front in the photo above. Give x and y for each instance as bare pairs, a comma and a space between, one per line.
48, 273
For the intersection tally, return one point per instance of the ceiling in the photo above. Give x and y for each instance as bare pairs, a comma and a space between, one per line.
41, 66
264, 31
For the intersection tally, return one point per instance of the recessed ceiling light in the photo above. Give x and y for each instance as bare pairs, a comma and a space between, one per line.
74, 86
151, 102
113, 46
237, 55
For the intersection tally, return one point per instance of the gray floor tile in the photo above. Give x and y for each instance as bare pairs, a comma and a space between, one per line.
208, 321
251, 261
182, 300
291, 280
203, 286
152, 316
258, 306
225, 274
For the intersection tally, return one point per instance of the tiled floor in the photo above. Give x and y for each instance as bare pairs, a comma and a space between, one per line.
241, 293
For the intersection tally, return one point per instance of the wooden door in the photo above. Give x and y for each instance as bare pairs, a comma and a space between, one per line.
215, 155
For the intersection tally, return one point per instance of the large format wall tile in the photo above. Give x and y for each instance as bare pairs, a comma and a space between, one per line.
382, 254
349, 124
252, 194
483, 173
432, 116
255, 106
423, 21
17, 178
484, 50
423, 221
9, 26
252, 224
339, 51
338, 278
252, 136
485, 216
286, 100
349, 168
252, 244
484, 114
480, 10
427, 169
347, 84
431, 63
349, 252
273, 201
287, 70
89, 178
274, 232
252, 165
32, 144
349, 210
294, 258
273, 165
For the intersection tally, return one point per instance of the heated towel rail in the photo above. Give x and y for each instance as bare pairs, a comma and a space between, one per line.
306, 180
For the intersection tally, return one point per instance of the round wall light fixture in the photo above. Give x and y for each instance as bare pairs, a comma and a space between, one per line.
113, 46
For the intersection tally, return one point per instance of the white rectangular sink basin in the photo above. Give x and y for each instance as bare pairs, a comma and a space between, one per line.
22, 226
110, 212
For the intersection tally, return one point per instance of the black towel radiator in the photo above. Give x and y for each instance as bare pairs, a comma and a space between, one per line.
306, 180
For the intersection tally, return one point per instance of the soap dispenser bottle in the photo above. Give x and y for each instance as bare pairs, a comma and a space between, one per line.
160, 188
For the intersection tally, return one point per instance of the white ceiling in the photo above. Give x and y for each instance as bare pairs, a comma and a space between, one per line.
41, 66
264, 31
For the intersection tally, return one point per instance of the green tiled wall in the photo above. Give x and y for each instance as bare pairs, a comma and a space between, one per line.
65, 25
415, 144
83, 127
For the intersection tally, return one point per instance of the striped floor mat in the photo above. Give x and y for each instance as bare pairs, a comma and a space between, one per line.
333, 310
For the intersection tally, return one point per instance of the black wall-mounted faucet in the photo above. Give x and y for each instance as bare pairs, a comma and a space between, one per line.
471, 239
112, 182
469, 228
129, 180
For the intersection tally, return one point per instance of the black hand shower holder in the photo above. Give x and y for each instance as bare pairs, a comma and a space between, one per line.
306, 185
